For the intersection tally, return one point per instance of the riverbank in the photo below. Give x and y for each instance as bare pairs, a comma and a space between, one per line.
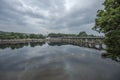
15, 41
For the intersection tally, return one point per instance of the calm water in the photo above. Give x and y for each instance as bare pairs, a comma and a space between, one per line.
55, 62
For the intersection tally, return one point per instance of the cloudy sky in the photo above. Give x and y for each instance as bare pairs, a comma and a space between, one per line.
46, 16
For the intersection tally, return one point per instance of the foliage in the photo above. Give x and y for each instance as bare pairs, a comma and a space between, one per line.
81, 34
12, 35
115, 57
108, 22
60, 35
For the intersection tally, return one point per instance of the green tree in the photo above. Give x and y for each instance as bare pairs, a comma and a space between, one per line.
13, 35
108, 22
82, 34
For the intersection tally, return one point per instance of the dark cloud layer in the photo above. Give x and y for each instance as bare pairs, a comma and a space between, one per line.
42, 16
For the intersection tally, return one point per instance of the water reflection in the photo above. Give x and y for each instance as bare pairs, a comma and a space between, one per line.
55, 61
20, 45
56, 43
33, 44
115, 57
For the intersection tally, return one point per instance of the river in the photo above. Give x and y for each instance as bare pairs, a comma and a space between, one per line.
55, 61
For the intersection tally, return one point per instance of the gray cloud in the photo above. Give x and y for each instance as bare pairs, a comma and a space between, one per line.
42, 16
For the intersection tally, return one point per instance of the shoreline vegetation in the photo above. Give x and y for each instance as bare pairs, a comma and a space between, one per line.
108, 22
14, 37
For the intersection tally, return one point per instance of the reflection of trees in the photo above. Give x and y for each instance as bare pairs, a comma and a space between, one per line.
56, 43
60, 43
20, 45
13, 46
33, 44
113, 56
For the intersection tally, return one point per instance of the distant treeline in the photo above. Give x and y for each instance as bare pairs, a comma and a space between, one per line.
14, 35
81, 34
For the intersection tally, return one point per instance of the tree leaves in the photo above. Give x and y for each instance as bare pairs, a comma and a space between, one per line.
108, 22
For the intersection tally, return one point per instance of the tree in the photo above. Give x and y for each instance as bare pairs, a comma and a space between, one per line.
108, 22
13, 35
82, 34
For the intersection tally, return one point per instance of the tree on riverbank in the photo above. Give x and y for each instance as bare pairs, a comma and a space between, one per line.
60, 35
108, 22
13, 35
84, 34
81, 34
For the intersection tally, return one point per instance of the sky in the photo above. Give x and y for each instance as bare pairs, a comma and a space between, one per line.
46, 16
